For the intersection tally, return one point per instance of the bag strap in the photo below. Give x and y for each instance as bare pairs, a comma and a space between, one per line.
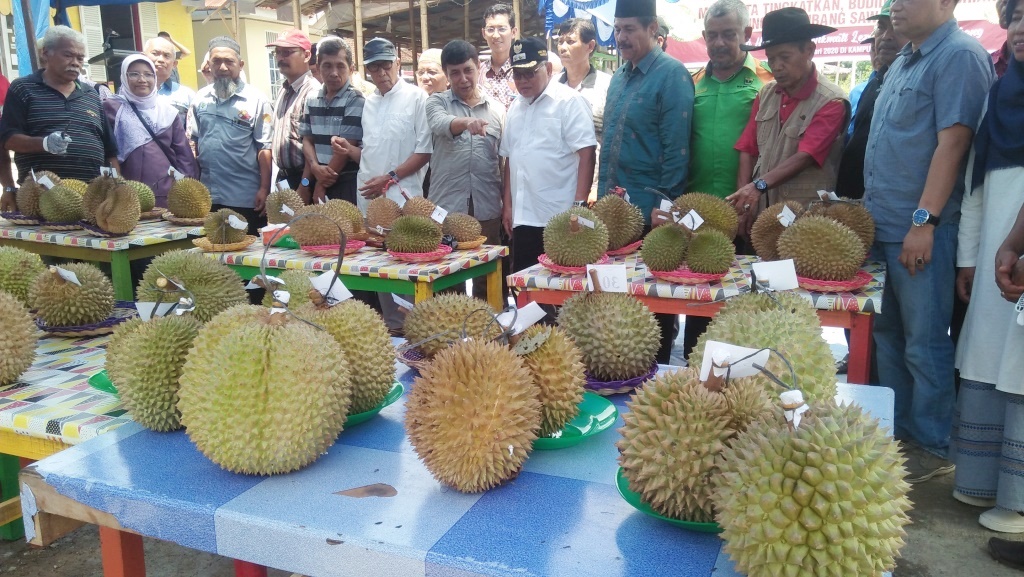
163, 147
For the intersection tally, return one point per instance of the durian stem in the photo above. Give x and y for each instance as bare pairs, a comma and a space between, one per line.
56, 275
574, 224
595, 283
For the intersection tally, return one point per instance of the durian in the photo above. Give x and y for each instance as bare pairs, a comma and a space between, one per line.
617, 335
418, 206
822, 249
318, 231
277, 200
296, 282
557, 369
473, 414
76, 185
263, 393
60, 205
189, 198
625, 222
462, 227
62, 303
147, 198
664, 248
213, 285
444, 316
826, 499
365, 340
350, 211
710, 252
119, 211
219, 229
716, 212
18, 270
852, 214
145, 360
764, 235
381, 212
415, 234
27, 197
17, 340
95, 193
567, 242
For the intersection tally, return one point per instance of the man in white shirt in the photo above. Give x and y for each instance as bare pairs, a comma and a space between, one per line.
549, 142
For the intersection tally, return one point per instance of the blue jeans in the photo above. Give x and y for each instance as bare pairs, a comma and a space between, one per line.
913, 348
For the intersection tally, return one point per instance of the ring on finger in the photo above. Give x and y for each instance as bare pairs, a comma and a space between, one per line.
919, 260
746, 207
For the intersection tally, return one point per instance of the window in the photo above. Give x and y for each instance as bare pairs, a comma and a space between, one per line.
275, 74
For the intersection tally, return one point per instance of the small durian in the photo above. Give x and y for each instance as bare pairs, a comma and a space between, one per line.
664, 248
17, 340
60, 205
568, 242
822, 249
716, 212
381, 212
62, 303
277, 200
119, 211
473, 414
710, 252
27, 197
418, 206
557, 369
852, 214
213, 285
625, 222
147, 198
616, 333
189, 198
18, 270
296, 282
95, 193
445, 316
414, 234
462, 227
322, 230
350, 212
764, 235
220, 230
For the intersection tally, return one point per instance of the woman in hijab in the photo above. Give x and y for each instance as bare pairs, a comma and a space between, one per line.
987, 441
150, 137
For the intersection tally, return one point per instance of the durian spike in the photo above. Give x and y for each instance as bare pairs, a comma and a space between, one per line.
574, 224
595, 282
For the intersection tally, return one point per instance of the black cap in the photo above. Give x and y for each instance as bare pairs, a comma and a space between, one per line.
529, 52
787, 25
636, 9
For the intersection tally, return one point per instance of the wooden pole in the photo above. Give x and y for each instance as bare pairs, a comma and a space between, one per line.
297, 14
424, 32
30, 34
234, 21
412, 35
465, 17
357, 8
518, 13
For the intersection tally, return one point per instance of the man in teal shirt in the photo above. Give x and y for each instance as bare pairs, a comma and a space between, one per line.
646, 142
725, 91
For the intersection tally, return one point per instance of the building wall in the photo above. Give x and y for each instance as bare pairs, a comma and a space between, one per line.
176, 21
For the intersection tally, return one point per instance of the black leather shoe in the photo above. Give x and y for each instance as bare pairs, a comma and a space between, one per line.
1009, 553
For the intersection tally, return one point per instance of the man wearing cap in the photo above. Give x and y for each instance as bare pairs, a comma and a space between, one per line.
496, 72
164, 55
663, 30
791, 145
292, 52
550, 144
230, 123
921, 130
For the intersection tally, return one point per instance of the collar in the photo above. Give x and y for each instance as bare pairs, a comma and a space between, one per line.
552, 84
589, 81
394, 89
37, 77
344, 87
749, 62
240, 92
170, 86
808, 88
504, 70
646, 62
936, 38
451, 96
297, 85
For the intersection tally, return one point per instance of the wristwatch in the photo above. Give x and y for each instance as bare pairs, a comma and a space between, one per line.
579, 203
923, 217
394, 176
304, 181
10, 189
760, 185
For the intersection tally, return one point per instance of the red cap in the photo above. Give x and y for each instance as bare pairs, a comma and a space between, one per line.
292, 39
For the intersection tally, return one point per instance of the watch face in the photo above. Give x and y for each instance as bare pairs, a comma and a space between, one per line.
760, 184
305, 182
921, 217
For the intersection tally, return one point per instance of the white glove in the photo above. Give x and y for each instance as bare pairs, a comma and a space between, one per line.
57, 144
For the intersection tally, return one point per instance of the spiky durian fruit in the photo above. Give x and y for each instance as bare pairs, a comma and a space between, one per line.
76, 185
418, 206
444, 316
557, 369
62, 303
145, 360
18, 270
60, 204
381, 212
826, 499
28, 194
147, 198
822, 249
95, 193
350, 211
263, 393
462, 227
784, 322
616, 333
277, 200
764, 235
189, 198
624, 221
852, 214
318, 231
296, 282
213, 285
716, 212
664, 248
473, 414
365, 340
119, 211
414, 234
17, 340
219, 229
710, 252
567, 242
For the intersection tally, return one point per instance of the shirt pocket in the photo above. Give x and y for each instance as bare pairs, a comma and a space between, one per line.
906, 107
396, 127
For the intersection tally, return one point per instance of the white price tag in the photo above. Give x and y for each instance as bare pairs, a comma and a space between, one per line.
625, 196
793, 406
284, 297
338, 292
285, 209
439, 215
237, 223
611, 276
666, 205
34, 177
45, 182
379, 229
401, 302
786, 216
691, 220
108, 171
269, 279
827, 195
174, 172
779, 275
525, 318
283, 185
321, 201
586, 222
1019, 307
722, 357
68, 275
149, 310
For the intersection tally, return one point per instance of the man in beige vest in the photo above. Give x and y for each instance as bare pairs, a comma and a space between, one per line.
792, 144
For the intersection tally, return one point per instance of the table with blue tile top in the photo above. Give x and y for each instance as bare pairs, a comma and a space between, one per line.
561, 516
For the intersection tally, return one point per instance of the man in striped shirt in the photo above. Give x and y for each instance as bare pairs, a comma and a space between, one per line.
292, 52
54, 122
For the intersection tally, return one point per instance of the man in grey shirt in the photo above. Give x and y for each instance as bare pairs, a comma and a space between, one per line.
921, 129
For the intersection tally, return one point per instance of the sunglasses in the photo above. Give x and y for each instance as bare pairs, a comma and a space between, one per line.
375, 67
526, 74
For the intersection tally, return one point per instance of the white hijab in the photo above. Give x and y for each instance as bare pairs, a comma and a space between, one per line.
154, 110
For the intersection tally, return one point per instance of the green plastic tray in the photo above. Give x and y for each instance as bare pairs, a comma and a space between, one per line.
286, 241
394, 395
102, 382
622, 484
596, 414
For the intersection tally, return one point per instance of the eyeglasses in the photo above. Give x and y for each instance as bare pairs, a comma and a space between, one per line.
498, 29
141, 76
376, 67
286, 53
525, 74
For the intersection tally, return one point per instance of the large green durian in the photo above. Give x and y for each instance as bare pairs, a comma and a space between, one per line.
60, 205
27, 197
296, 282
617, 335
827, 499
557, 369
852, 214
822, 249
664, 248
277, 200
462, 227
18, 270
444, 317
716, 212
145, 360
62, 303
365, 340
219, 230
473, 414
710, 252
189, 198
568, 243
764, 235
263, 393
414, 234
17, 339
214, 286
624, 220
318, 230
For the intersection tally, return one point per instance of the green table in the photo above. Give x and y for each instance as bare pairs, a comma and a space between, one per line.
150, 238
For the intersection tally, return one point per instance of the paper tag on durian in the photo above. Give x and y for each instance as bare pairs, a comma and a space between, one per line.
586, 222
45, 182
285, 209
525, 318
793, 406
34, 177
185, 305
379, 229
68, 275
237, 223
338, 292
282, 185
691, 220
722, 357
282, 297
779, 275
786, 217
1019, 307
612, 277
527, 345
439, 215
665, 205
108, 171
827, 195
148, 309
321, 201
175, 173
267, 279
401, 302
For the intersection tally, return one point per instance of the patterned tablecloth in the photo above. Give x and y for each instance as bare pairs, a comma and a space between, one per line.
370, 262
53, 399
145, 233
737, 280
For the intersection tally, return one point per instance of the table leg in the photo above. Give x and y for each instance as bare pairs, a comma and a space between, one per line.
122, 553
494, 288
424, 291
9, 467
246, 569
858, 369
121, 273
